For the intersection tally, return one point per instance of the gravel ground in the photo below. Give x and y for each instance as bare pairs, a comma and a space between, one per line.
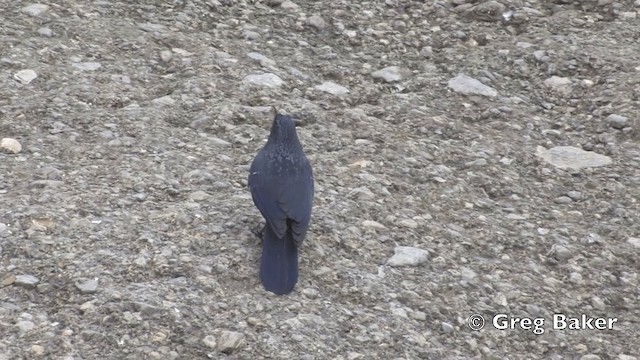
127, 230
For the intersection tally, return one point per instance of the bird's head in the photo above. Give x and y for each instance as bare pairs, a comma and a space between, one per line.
283, 129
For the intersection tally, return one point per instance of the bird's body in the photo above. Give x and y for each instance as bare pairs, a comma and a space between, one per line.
281, 184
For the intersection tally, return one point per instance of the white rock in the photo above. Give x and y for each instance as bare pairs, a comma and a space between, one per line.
408, 256
268, 80
316, 21
210, 341
27, 281
88, 287
10, 145
373, 224
25, 76
557, 82
634, 241
409, 223
332, 88
467, 85
35, 9
617, 121
569, 157
166, 100
87, 66
388, 74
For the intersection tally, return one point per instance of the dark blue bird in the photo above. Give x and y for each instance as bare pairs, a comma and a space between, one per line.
281, 184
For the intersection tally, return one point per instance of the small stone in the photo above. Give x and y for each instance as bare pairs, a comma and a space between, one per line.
373, 224
591, 239
87, 287
210, 341
569, 157
467, 85
598, 303
574, 195
25, 76
267, 80
557, 82
634, 241
45, 31
230, 341
563, 200
166, 100
408, 256
477, 163
362, 193
446, 327
166, 56
388, 74
263, 60
37, 350
626, 357
575, 278
316, 21
35, 9
24, 326
198, 196
26, 281
560, 252
332, 88
617, 121
10, 145
426, 52
289, 5
250, 35
590, 357
87, 66
409, 223
149, 27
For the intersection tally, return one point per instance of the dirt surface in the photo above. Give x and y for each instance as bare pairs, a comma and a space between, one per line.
127, 230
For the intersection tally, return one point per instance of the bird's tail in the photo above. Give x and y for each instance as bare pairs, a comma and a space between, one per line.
279, 263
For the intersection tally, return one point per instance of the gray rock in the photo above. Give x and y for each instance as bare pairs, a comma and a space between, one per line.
27, 281
560, 252
617, 121
569, 157
408, 256
35, 9
87, 287
388, 74
10, 145
150, 27
166, 56
557, 82
408, 223
45, 31
446, 327
261, 59
574, 195
332, 88
373, 224
563, 200
267, 80
230, 341
87, 66
24, 326
316, 21
210, 341
289, 5
467, 85
634, 241
166, 100
198, 196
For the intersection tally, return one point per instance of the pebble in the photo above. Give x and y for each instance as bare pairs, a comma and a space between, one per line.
87, 287
25, 76
557, 82
446, 327
467, 85
569, 157
10, 145
210, 341
166, 55
617, 121
426, 52
408, 256
634, 241
25, 326
35, 9
563, 200
590, 357
289, 5
27, 281
250, 35
409, 223
38, 350
87, 66
45, 31
316, 21
198, 195
230, 341
574, 195
560, 252
150, 27
267, 80
332, 88
591, 239
261, 59
388, 74
373, 224
166, 100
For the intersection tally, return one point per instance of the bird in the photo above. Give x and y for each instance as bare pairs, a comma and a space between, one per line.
282, 187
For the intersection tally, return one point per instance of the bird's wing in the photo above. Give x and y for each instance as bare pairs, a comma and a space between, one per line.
296, 202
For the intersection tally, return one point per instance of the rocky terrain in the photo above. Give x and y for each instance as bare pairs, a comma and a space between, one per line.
471, 158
